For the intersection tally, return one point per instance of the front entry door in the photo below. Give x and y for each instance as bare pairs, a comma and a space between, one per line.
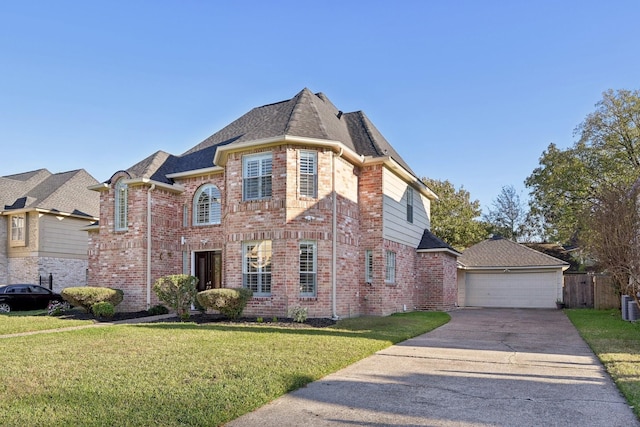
208, 270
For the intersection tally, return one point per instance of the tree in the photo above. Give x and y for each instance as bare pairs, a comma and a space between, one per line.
614, 240
607, 153
454, 217
507, 215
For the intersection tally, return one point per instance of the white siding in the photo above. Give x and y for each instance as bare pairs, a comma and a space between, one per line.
61, 236
395, 225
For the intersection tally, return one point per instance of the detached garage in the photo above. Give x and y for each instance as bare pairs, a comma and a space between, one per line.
500, 273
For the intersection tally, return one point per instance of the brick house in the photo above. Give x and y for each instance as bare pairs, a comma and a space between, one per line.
42, 220
302, 203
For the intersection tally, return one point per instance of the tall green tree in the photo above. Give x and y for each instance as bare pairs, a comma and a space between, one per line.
607, 152
455, 218
507, 215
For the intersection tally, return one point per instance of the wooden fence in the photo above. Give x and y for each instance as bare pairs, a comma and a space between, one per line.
590, 291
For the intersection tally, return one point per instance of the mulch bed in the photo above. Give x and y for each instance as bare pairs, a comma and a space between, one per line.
207, 318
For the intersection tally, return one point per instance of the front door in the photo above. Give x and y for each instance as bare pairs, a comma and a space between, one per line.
208, 270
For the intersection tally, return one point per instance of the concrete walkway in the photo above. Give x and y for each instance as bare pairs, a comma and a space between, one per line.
487, 367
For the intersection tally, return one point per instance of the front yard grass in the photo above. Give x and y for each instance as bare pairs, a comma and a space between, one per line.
617, 344
30, 321
179, 374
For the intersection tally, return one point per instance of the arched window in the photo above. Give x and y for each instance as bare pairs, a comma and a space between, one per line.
120, 220
206, 205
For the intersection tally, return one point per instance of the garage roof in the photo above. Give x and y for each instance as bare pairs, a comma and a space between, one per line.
503, 253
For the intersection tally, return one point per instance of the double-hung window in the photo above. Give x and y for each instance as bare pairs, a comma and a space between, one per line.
308, 266
410, 204
308, 174
121, 196
256, 267
206, 206
368, 266
18, 227
256, 176
390, 267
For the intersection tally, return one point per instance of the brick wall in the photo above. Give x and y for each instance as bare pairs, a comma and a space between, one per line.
437, 281
4, 239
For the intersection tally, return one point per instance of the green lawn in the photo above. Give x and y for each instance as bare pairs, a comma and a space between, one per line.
617, 344
179, 374
29, 321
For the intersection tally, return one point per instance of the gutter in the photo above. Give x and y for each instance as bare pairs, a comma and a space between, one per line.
151, 188
334, 237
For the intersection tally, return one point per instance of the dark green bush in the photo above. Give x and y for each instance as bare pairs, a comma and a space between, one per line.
103, 310
157, 310
178, 291
87, 296
228, 301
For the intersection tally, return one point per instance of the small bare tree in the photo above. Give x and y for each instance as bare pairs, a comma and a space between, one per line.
614, 235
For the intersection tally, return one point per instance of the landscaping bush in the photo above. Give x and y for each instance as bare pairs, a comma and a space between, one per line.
57, 308
87, 296
178, 291
228, 301
299, 314
103, 310
157, 310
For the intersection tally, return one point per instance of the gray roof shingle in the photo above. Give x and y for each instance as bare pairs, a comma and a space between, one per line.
431, 241
499, 252
305, 115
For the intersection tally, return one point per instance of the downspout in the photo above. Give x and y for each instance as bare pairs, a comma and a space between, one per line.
334, 234
153, 187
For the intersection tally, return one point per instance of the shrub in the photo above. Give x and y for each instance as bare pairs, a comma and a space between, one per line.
157, 310
178, 291
87, 296
228, 301
103, 310
57, 308
298, 314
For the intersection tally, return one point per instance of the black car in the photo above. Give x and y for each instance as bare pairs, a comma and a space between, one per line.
25, 297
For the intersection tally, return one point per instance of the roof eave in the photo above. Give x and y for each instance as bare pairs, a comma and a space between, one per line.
196, 172
446, 250
512, 268
47, 211
222, 153
393, 165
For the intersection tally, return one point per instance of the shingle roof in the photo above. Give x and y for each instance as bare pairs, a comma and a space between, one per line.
305, 115
63, 192
499, 252
430, 241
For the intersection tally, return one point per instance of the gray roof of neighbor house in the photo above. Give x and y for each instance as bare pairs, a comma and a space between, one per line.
65, 192
499, 252
430, 241
305, 115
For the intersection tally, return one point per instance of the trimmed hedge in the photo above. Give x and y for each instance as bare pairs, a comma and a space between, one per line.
228, 301
178, 291
87, 296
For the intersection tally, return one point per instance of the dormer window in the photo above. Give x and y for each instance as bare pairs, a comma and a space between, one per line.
256, 176
121, 209
206, 205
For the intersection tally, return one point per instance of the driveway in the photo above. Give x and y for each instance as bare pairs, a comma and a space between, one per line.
487, 367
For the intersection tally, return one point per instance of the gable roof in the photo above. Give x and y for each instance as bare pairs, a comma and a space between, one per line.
502, 253
306, 115
432, 243
65, 192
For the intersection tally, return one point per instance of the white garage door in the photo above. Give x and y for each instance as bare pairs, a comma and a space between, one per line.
522, 290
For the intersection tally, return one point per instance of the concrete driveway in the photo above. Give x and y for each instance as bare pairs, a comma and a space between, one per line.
487, 367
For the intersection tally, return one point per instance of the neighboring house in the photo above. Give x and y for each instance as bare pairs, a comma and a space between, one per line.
501, 273
41, 227
301, 203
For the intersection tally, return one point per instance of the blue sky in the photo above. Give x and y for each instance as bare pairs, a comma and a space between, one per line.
469, 91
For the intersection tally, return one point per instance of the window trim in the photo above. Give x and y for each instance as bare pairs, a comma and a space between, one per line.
214, 206
263, 267
310, 179
121, 208
410, 205
263, 176
18, 232
390, 267
313, 273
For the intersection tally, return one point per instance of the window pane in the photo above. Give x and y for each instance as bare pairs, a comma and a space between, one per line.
308, 174
308, 268
257, 176
390, 275
368, 266
257, 267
